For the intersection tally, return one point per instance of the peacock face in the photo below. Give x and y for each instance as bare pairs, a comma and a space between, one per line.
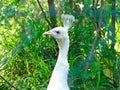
58, 33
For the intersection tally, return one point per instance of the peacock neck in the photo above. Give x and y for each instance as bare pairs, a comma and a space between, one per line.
63, 52
59, 76
63, 49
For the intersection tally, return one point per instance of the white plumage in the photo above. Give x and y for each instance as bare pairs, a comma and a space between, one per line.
58, 80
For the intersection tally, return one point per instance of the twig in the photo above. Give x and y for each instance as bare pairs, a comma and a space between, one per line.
44, 14
96, 38
8, 83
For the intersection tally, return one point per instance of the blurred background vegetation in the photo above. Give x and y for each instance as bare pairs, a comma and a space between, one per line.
27, 58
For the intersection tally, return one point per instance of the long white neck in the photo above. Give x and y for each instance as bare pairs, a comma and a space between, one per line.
58, 79
63, 50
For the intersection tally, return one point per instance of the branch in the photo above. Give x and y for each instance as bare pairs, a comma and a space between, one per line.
8, 83
52, 13
113, 24
71, 3
44, 14
96, 38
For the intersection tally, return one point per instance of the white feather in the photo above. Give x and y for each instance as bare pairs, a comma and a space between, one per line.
58, 80
67, 20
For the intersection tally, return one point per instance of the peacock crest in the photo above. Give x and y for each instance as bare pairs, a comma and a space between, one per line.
67, 20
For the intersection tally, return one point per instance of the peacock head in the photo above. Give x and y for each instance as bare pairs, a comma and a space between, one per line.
58, 33
62, 32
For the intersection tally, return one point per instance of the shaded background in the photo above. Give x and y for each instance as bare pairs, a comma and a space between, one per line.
27, 58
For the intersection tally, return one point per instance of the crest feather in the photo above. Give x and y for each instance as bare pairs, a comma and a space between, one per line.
67, 20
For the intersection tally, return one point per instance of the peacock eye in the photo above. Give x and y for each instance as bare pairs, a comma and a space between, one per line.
58, 32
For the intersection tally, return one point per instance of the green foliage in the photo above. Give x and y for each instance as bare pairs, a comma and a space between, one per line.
27, 58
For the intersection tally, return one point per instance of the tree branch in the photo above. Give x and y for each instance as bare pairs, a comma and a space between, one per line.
96, 38
8, 83
52, 13
71, 3
113, 24
44, 14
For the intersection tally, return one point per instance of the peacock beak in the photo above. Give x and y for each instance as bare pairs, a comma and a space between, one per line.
47, 33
